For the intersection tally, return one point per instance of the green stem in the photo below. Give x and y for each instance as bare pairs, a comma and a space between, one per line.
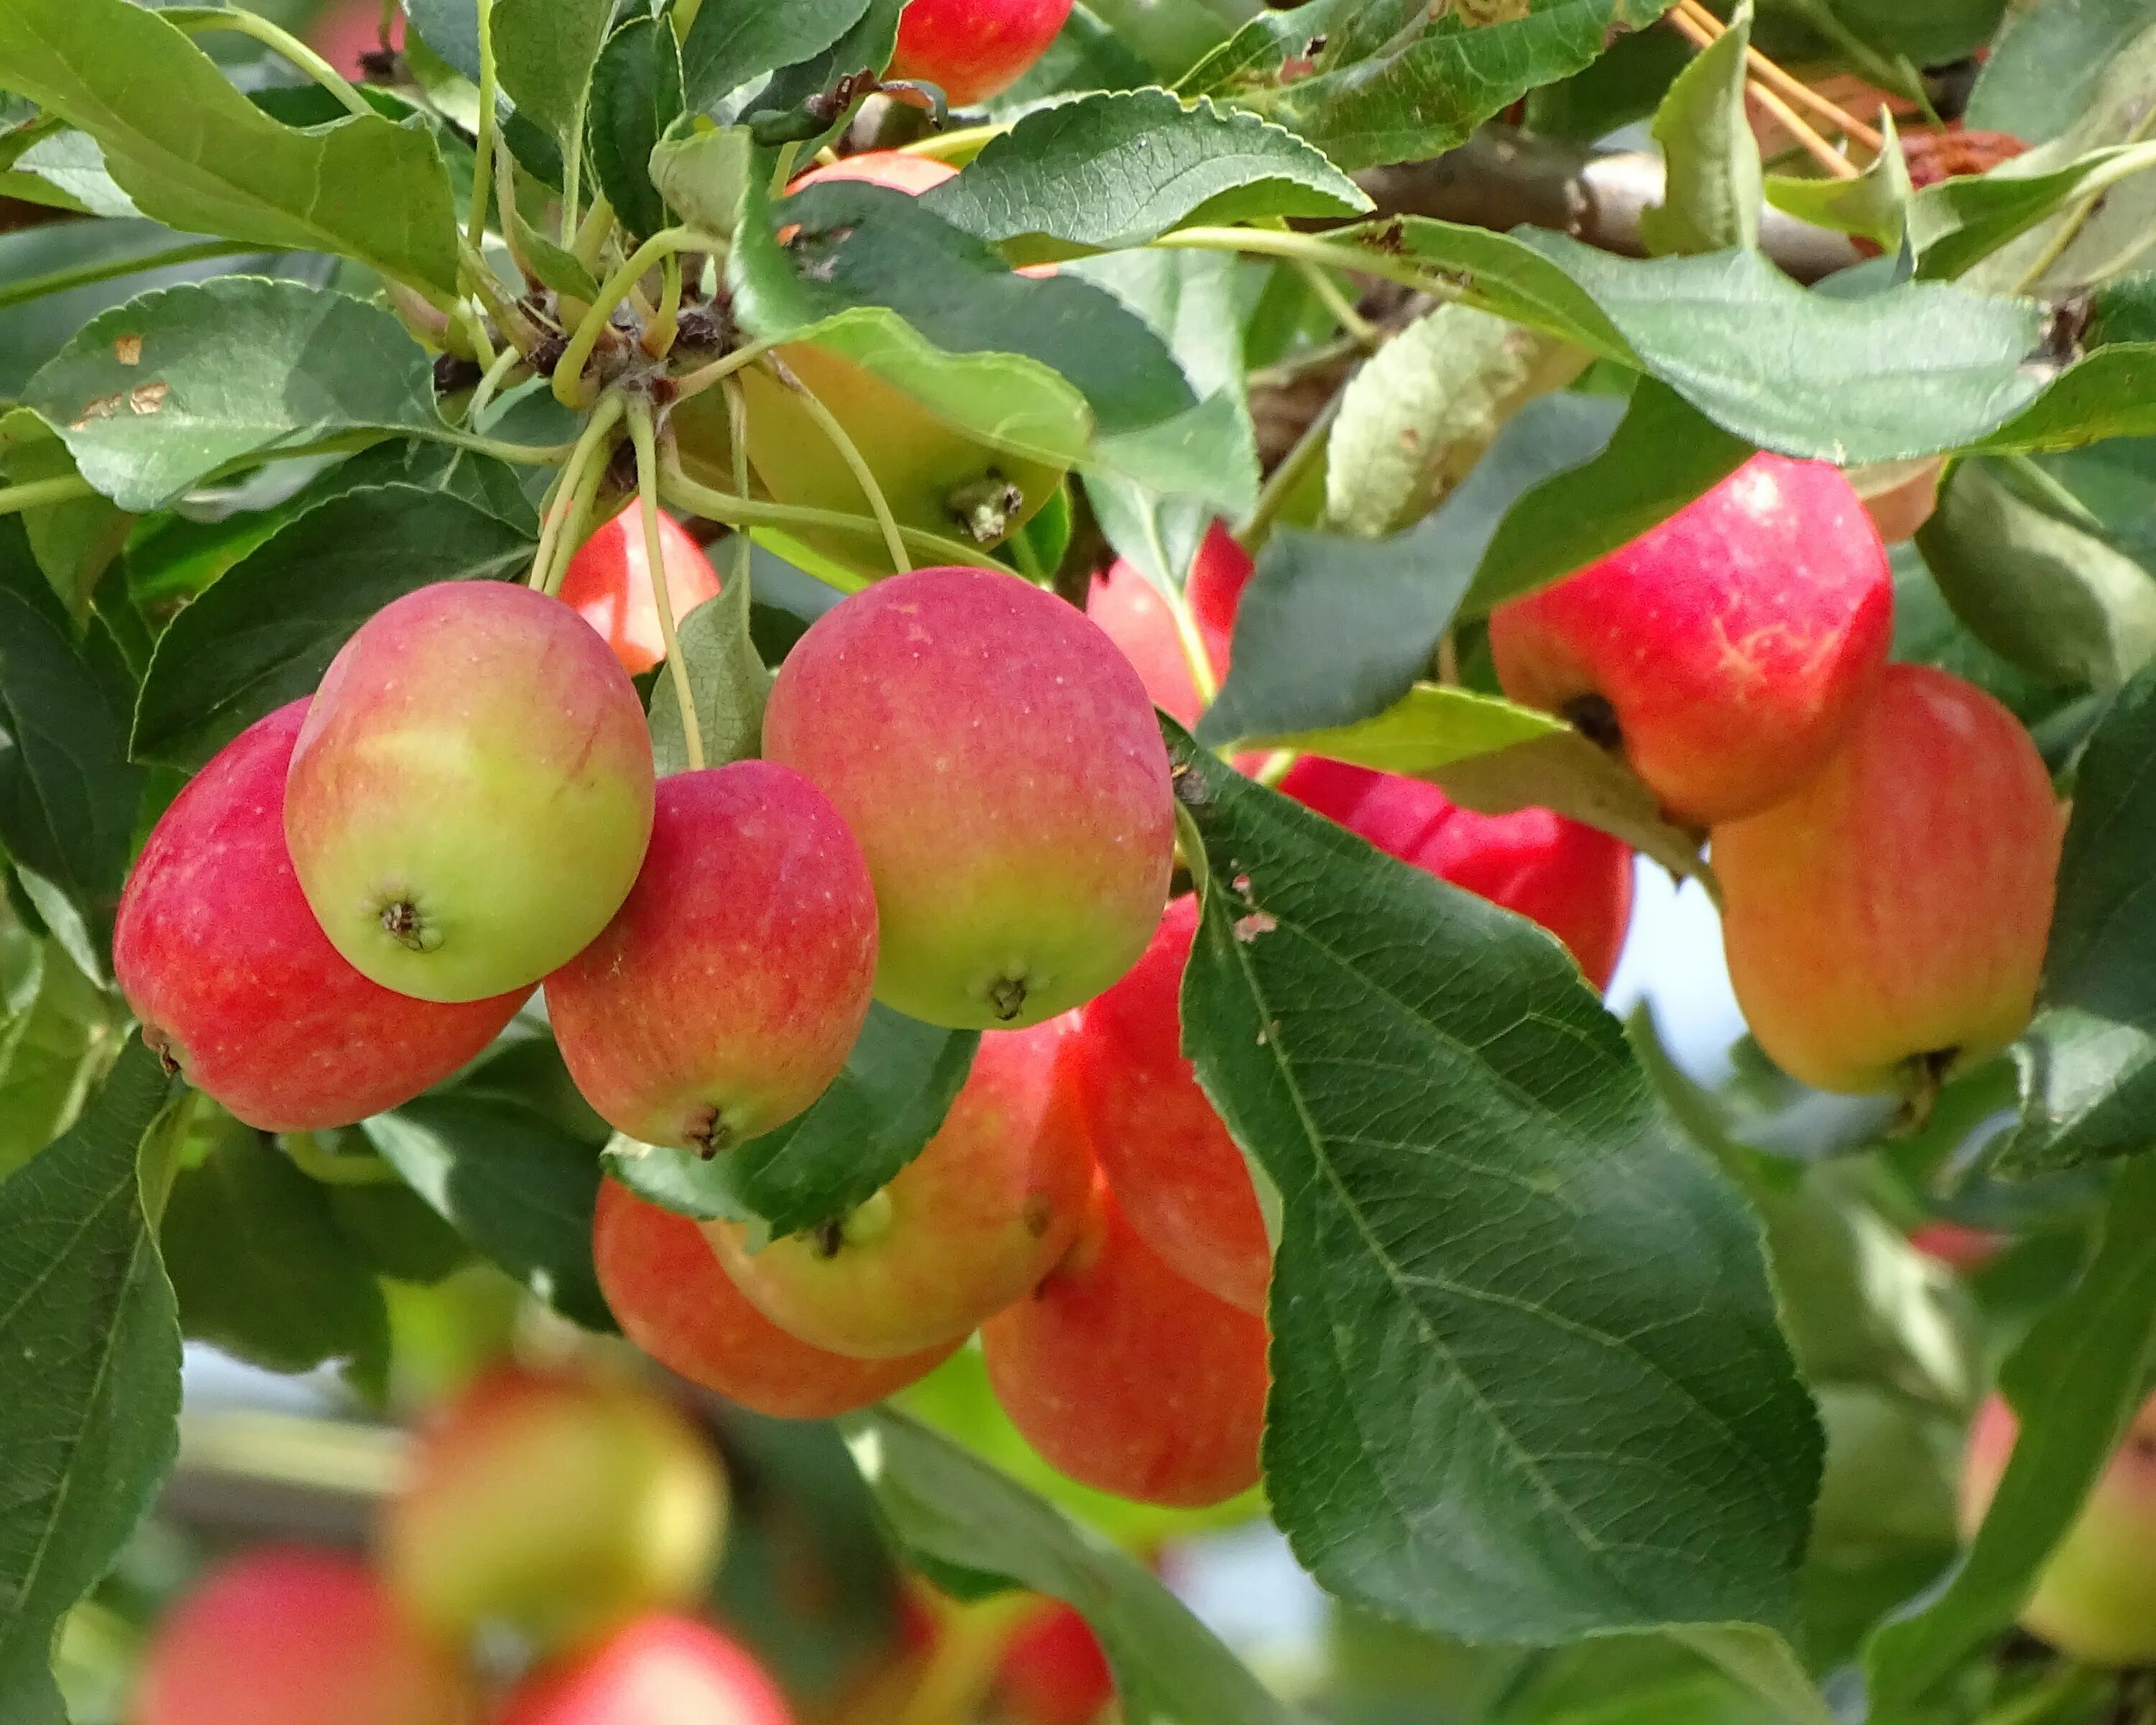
517, 455
1358, 327
483, 397
58, 281
2133, 162
569, 374
719, 370
572, 170
658, 333
576, 520
737, 511
1287, 478
249, 24
737, 431
555, 520
480, 279
850, 452
329, 1170
1193, 647
1308, 249
592, 237
782, 169
641, 434
483, 147
38, 493
2068, 1685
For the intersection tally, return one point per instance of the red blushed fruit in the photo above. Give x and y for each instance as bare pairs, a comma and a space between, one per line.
234, 981
1054, 1671
608, 584
727, 991
1129, 1378
1887, 923
1176, 1174
999, 760
1965, 1250
658, 1670
665, 1286
974, 48
966, 1227
1727, 651
285, 1635
557, 1504
1132, 613
1574, 881
912, 175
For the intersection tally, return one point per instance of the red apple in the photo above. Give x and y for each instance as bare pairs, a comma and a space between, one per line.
288, 1635
608, 584
727, 991
969, 1225
1053, 1672
1729, 650
1964, 1250
234, 981
556, 1503
1574, 880
1132, 612
1887, 924
912, 175
973, 50
658, 1670
999, 762
2096, 1599
1129, 1378
666, 1288
471, 795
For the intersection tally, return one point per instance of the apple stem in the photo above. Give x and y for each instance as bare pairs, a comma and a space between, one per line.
504, 362
849, 453
740, 511
642, 435
569, 371
283, 43
1365, 333
577, 481
327, 1167
483, 144
719, 370
738, 432
38, 493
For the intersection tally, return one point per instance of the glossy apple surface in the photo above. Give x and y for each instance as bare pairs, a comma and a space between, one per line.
608, 584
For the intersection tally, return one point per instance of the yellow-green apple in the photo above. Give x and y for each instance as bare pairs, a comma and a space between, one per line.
608, 584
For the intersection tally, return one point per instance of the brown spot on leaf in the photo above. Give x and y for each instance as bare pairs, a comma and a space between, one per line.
146, 399
128, 350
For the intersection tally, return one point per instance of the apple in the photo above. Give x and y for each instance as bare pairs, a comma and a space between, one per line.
727, 991
292, 1636
1129, 1378
2096, 1599
1726, 652
973, 49
1133, 614
657, 1670
912, 175
234, 982
970, 1224
665, 1286
608, 584
471, 795
1574, 881
1886, 924
1053, 1672
999, 762
556, 1503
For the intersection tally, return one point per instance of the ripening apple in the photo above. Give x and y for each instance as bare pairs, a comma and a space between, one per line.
973, 50
657, 1670
471, 795
1133, 614
912, 175
970, 1224
1053, 1672
2096, 1599
665, 1284
233, 980
999, 762
608, 584
1129, 1378
1886, 924
553, 1502
727, 991
290, 1636
1727, 651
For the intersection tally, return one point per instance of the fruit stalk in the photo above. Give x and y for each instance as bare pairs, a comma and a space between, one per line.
647, 491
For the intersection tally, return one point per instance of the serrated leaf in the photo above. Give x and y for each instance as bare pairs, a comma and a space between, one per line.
2045, 589
73, 542
1711, 191
154, 396
734, 41
2075, 1381
2043, 72
957, 1514
2111, 393
1962, 219
636, 94
92, 1350
69, 162
1874, 205
519, 1187
1113, 170
865, 46
266, 632
194, 153
727, 680
704, 174
543, 54
1528, 1383
52, 1050
877, 1115
450, 27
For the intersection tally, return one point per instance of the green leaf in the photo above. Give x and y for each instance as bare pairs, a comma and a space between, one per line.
266, 632
955, 1513
2075, 1381
1959, 221
155, 396
2044, 71
704, 174
1713, 194
865, 46
73, 167
2035, 578
92, 1347
728, 681
1118, 169
636, 94
543, 54
261, 1268
878, 1114
451, 28
194, 153
521, 1188
1528, 1383
73, 542
53, 1050
1875, 204
2111, 393
734, 41
393, 1229
2088, 1061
